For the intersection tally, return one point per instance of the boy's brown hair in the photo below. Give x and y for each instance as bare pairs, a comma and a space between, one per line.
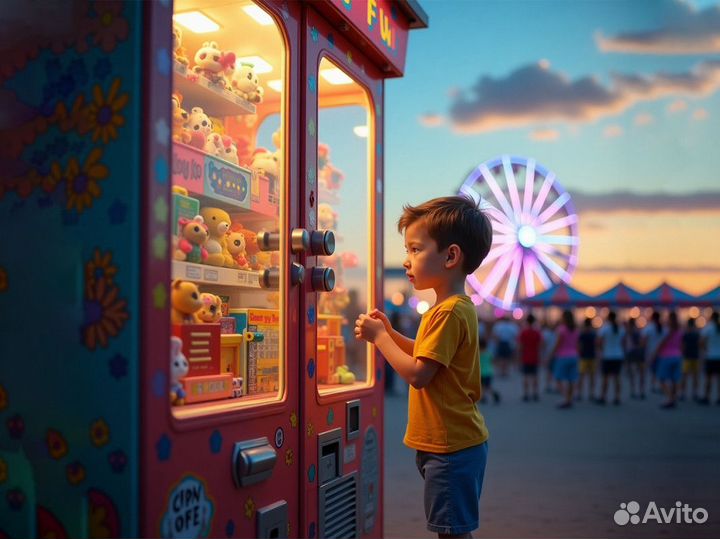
454, 219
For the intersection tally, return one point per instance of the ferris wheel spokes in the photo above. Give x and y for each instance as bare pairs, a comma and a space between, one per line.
529, 186
512, 187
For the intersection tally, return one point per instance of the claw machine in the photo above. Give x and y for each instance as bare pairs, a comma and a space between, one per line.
200, 185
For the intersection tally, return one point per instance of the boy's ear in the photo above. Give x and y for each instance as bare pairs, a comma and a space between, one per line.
454, 256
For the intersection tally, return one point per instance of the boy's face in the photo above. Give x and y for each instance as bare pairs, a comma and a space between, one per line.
424, 265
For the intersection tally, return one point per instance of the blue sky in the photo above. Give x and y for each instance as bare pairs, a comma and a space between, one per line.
612, 96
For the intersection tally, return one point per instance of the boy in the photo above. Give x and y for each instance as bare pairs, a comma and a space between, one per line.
446, 239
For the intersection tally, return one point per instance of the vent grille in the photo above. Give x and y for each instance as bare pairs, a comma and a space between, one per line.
339, 508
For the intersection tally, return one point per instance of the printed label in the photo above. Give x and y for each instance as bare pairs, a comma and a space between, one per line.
189, 510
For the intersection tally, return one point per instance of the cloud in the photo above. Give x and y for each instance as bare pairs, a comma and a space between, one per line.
535, 94
431, 120
643, 119
649, 269
677, 106
699, 114
688, 31
545, 135
647, 202
612, 131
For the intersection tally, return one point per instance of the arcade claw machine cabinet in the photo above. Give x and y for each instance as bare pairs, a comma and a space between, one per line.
192, 203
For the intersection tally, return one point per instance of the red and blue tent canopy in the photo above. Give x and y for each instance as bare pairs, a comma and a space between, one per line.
711, 297
668, 295
620, 295
560, 295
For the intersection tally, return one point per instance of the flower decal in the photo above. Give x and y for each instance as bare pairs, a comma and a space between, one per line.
100, 267
3, 398
15, 499
249, 508
105, 314
3, 280
289, 457
82, 183
56, 444
99, 433
75, 473
109, 27
3, 471
15, 426
103, 114
293, 420
310, 429
117, 460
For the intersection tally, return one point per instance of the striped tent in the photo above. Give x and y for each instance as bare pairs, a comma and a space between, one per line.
560, 295
619, 295
668, 295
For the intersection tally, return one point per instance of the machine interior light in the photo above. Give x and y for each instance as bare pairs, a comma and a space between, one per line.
335, 76
275, 84
257, 13
196, 21
361, 131
260, 65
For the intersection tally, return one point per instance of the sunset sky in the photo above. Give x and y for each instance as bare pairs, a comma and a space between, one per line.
618, 98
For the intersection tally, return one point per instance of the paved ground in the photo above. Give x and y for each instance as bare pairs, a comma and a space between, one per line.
564, 473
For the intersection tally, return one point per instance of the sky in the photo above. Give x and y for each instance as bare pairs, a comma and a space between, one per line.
618, 98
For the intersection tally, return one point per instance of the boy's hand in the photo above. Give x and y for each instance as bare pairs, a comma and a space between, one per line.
379, 315
368, 328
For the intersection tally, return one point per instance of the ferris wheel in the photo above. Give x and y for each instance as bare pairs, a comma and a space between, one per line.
535, 230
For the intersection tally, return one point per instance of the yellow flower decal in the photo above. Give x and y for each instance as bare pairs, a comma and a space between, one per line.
99, 433
249, 508
374, 411
293, 420
82, 183
57, 446
289, 457
75, 473
105, 314
3, 280
3, 471
310, 430
100, 267
103, 113
3, 398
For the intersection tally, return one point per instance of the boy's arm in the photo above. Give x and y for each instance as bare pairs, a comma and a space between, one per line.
415, 371
406, 344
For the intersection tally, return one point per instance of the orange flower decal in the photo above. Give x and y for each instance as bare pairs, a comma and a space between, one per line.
249, 508
103, 114
289, 457
82, 184
110, 27
3, 398
75, 473
57, 446
105, 314
3, 471
100, 267
99, 433
293, 420
310, 429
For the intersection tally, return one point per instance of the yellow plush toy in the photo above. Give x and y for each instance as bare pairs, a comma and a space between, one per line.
185, 301
218, 223
211, 310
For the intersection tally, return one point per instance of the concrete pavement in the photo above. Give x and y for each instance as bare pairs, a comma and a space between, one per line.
564, 473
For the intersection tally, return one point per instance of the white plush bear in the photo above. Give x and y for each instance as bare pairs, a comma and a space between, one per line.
265, 163
179, 368
213, 145
214, 64
245, 83
229, 150
200, 127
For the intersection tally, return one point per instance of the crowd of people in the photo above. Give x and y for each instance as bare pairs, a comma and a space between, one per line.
582, 362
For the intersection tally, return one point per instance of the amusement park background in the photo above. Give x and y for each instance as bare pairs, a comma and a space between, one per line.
620, 101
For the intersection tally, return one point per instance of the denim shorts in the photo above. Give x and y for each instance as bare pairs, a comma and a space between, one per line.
453, 483
669, 369
566, 369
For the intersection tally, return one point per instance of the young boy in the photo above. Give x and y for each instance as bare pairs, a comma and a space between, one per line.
446, 239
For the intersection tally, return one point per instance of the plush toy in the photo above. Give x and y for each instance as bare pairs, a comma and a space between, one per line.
179, 52
344, 375
185, 302
180, 117
251, 246
329, 177
200, 127
327, 218
236, 245
213, 145
245, 83
211, 310
179, 368
218, 222
194, 235
229, 151
212, 63
334, 302
264, 163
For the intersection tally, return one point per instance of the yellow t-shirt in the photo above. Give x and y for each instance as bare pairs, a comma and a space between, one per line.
442, 417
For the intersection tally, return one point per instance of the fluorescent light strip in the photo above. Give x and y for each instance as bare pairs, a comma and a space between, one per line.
335, 76
275, 85
361, 131
260, 16
259, 64
197, 22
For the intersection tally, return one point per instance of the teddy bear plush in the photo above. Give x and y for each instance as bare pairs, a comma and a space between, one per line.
179, 53
218, 222
236, 246
246, 84
254, 255
194, 235
179, 368
200, 127
214, 64
180, 117
211, 310
265, 163
185, 302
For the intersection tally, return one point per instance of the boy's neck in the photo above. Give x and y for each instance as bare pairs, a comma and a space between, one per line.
450, 288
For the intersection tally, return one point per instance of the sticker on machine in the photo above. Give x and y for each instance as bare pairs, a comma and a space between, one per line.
188, 511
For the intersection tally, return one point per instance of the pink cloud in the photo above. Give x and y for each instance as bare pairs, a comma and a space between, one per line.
545, 135
688, 31
677, 106
700, 114
615, 201
612, 131
431, 120
643, 119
